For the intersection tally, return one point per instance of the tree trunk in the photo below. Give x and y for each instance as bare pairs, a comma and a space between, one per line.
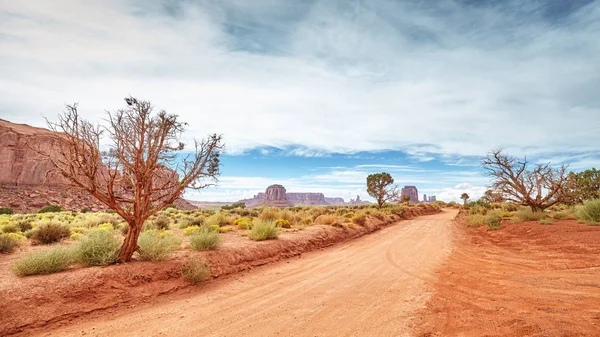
130, 244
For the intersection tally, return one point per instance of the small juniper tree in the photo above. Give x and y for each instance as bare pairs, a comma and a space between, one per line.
379, 186
465, 197
141, 173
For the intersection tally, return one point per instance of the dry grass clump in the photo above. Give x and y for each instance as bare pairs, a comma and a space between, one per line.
493, 219
360, 219
269, 214
475, 220
157, 245
44, 262
283, 223
195, 269
98, 248
50, 232
589, 212
7, 244
526, 214
263, 230
326, 219
205, 239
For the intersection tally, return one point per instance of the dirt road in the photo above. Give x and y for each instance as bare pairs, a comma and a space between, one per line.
371, 286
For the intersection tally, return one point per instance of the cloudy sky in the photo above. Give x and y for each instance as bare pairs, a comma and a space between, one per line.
315, 95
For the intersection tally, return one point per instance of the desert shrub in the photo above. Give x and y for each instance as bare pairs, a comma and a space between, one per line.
195, 269
6, 210
493, 220
10, 228
559, 216
263, 230
243, 223
98, 248
306, 221
283, 223
589, 211
477, 209
526, 214
7, 244
510, 207
219, 219
205, 239
161, 223
224, 229
24, 225
269, 214
44, 262
106, 227
75, 236
50, 232
360, 219
85, 210
156, 245
475, 220
50, 209
191, 230
326, 219
546, 221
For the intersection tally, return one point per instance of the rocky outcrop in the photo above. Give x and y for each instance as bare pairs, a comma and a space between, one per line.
28, 180
412, 192
20, 160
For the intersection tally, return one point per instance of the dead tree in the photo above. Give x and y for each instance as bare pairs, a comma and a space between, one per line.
141, 172
539, 188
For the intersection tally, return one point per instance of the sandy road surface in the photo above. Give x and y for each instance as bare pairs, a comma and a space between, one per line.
371, 286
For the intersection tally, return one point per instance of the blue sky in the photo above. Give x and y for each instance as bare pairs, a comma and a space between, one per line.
315, 95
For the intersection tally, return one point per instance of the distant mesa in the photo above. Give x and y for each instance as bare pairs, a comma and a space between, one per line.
414, 195
277, 196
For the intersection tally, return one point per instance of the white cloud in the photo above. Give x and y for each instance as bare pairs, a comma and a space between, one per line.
338, 78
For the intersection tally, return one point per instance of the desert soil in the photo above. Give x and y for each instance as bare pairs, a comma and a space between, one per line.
371, 286
526, 279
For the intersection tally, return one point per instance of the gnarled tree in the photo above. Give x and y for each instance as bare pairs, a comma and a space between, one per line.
539, 188
141, 173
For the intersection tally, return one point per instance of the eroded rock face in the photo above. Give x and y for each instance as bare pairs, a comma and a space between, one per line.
276, 195
28, 180
20, 160
275, 192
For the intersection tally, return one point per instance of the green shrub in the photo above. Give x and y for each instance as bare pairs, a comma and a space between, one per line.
10, 228
191, 230
24, 225
243, 223
283, 223
44, 262
98, 248
493, 220
50, 232
7, 244
224, 229
6, 210
162, 223
546, 221
157, 245
263, 230
51, 209
475, 220
360, 219
589, 211
195, 269
205, 239
526, 214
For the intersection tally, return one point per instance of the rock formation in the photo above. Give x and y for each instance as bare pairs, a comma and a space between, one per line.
276, 195
412, 192
28, 180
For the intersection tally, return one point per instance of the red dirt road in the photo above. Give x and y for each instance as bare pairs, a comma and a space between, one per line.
373, 285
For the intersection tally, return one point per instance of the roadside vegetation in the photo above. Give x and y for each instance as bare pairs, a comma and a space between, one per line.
95, 239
